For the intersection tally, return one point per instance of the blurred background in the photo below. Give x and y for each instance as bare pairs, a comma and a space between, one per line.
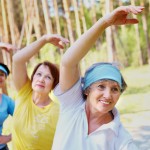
24, 21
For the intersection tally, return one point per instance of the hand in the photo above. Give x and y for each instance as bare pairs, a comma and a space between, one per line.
119, 15
5, 139
56, 40
7, 47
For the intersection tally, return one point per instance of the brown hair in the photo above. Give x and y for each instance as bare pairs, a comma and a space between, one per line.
53, 69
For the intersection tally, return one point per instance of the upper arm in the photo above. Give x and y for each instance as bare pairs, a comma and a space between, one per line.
19, 74
68, 76
130, 146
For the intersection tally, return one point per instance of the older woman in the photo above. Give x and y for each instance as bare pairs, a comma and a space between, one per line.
88, 117
36, 114
7, 105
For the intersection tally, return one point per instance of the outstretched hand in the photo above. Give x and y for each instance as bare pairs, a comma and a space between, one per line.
7, 47
119, 15
56, 40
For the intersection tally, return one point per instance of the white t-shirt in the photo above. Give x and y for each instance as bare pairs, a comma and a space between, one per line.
72, 127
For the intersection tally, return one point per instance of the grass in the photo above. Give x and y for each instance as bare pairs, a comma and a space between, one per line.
136, 97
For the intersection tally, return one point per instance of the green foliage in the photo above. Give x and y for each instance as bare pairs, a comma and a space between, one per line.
127, 46
136, 97
87, 14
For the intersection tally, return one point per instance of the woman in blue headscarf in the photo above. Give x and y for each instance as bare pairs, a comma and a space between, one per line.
6, 103
88, 117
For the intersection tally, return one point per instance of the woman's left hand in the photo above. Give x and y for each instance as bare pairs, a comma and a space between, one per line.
56, 40
119, 15
7, 47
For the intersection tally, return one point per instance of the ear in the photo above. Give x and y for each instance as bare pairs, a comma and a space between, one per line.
87, 91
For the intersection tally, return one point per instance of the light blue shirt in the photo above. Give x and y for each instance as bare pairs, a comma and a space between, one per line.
72, 127
7, 106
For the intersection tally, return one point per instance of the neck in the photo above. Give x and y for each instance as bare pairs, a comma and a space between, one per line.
41, 100
97, 119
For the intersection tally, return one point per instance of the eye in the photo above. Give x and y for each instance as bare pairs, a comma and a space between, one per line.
2, 74
38, 74
48, 77
116, 90
101, 87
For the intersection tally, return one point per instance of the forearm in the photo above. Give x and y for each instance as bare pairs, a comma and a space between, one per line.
81, 47
5, 139
26, 53
1, 45
19, 62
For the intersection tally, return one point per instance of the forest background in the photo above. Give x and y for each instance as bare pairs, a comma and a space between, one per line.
24, 21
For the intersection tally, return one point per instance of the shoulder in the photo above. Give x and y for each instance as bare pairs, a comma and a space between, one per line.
55, 106
124, 138
26, 89
7, 98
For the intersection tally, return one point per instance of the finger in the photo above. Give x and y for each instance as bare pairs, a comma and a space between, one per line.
131, 21
64, 40
134, 9
61, 45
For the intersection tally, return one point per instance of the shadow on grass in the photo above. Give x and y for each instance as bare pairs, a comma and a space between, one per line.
129, 111
141, 137
134, 90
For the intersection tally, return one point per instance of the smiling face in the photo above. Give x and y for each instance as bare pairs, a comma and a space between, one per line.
42, 80
102, 96
2, 79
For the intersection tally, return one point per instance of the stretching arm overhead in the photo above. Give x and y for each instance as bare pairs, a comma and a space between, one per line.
20, 58
69, 70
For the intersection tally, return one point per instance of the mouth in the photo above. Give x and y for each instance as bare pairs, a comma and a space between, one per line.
39, 85
104, 102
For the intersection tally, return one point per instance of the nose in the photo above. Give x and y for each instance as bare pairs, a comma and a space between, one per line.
107, 93
41, 79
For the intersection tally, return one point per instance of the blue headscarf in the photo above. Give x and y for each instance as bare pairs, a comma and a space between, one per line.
102, 71
2, 68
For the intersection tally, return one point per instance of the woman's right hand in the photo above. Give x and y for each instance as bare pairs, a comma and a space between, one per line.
5, 139
119, 16
56, 40
7, 47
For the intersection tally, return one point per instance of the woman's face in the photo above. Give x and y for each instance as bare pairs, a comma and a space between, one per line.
42, 80
102, 96
2, 79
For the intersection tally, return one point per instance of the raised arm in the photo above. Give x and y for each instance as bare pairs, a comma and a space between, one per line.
7, 47
20, 58
5, 139
69, 70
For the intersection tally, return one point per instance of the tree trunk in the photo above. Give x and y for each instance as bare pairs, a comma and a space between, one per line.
109, 38
57, 17
47, 17
93, 11
5, 33
68, 20
138, 39
145, 29
36, 21
57, 21
78, 28
82, 16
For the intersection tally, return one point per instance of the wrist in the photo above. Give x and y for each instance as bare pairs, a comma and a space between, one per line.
44, 39
107, 20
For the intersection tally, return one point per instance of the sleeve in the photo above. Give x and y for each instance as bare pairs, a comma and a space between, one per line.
72, 98
25, 90
23, 94
130, 146
11, 106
